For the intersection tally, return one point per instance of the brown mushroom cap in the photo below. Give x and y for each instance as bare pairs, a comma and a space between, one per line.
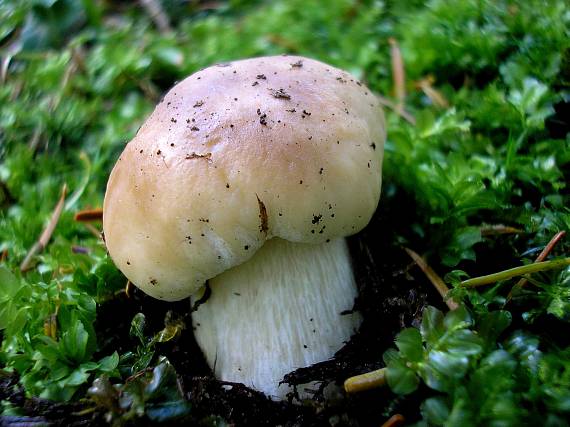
237, 154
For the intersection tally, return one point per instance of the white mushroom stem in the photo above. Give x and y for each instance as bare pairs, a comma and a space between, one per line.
277, 312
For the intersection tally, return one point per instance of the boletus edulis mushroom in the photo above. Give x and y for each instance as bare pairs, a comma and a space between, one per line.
249, 175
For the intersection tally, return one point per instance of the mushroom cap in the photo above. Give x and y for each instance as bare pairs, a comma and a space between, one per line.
234, 155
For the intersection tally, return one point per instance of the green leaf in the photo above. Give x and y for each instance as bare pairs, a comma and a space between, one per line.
409, 342
74, 343
18, 320
9, 284
50, 350
143, 360
554, 374
458, 318
162, 382
77, 377
110, 363
443, 370
168, 411
432, 327
435, 410
559, 305
450, 121
460, 416
493, 378
137, 327
463, 342
149, 396
401, 379
170, 331
525, 347
491, 325
529, 103
390, 355
463, 239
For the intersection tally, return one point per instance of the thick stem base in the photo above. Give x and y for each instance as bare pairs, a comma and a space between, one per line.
277, 312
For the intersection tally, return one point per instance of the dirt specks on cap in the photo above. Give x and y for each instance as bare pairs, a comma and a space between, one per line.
280, 94
191, 156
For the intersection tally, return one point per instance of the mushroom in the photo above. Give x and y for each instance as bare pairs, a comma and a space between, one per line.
250, 175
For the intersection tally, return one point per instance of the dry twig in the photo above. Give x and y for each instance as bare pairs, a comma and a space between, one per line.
47, 233
433, 94
367, 381
4, 65
88, 215
395, 421
403, 114
434, 278
541, 257
157, 14
492, 230
398, 74
93, 230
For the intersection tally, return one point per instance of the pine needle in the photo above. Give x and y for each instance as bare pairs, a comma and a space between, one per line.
433, 94
394, 421
433, 277
541, 257
398, 74
156, 12
47, 233
492, 230
89, 215
400, 112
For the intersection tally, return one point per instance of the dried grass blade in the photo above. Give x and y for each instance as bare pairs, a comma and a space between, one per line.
395, 421
541, 257
89, 215
398, 73
403, 114
433, 277
47, 233
433, 94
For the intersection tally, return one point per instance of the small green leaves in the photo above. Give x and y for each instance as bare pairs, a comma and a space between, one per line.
432, 328
458, 318
554, 373
478, 377
401, 378
9, 284
73, 344
530, 103
493, 324
442, 370
137, 327
145, 351
409, 342
153, 396
449, 122
435, 410
142, 357
109, 364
